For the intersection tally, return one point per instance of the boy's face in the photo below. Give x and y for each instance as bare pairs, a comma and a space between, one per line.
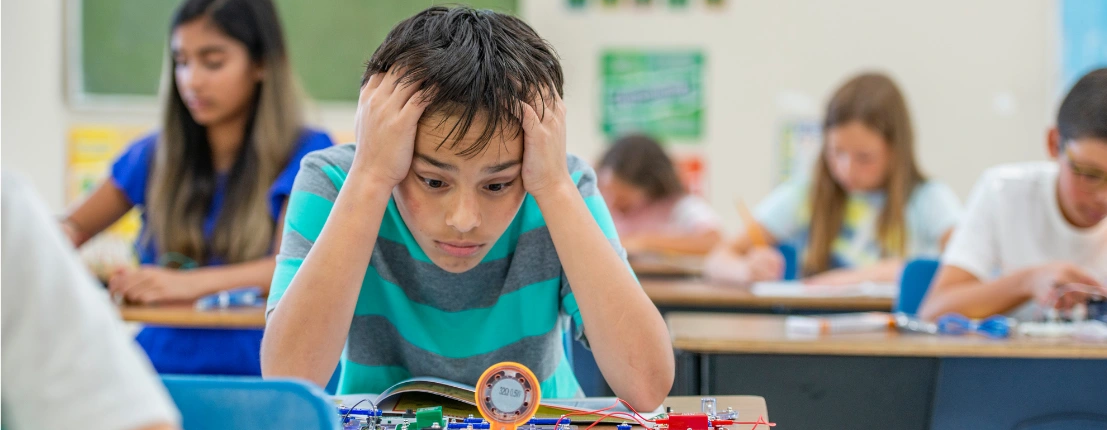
458, 207
1081, 190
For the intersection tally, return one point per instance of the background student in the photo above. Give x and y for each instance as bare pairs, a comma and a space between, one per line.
867, 208
67, 359
651, 209
212, 183
1035, 234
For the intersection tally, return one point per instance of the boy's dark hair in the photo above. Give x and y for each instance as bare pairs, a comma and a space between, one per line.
640, 161
1083, 113
474, 62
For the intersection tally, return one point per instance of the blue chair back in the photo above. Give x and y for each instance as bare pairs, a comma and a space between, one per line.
791, 261
913, 284
249, 403
332, 385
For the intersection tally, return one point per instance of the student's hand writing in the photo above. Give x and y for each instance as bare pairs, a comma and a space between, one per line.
544, 164
758, 264
387, 116
766, 264
1063, 285
151, 284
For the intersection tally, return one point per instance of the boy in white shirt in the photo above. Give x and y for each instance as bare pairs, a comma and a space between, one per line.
1035, 233
68, 361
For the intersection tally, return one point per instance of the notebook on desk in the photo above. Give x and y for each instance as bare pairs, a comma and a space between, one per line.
800, 289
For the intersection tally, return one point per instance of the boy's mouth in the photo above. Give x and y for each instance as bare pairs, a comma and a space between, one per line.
459, 249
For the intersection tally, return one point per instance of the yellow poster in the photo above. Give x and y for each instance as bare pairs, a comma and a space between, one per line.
91, 151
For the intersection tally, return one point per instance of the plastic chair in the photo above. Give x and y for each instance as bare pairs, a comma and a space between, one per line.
248, 403
332, 385
791, 261
913, 284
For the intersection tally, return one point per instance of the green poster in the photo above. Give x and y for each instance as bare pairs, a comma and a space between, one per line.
654, 92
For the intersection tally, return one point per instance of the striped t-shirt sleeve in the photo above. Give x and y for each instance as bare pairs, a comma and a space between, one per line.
313, 195
585, 178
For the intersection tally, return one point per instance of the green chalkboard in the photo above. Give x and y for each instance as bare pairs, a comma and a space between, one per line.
123, 42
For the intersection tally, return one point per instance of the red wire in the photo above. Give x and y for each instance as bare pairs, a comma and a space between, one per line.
760, 420
641, 420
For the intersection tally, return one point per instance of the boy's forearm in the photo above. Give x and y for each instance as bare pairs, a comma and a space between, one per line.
305, 334
618, 315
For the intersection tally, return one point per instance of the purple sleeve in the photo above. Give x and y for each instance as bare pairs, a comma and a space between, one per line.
131, 171
312, 140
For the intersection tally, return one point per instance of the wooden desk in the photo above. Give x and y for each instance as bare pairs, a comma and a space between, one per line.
700, 294
765, 334
889, 380
186, 316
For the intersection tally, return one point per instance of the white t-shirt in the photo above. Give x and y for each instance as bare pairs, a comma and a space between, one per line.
1013, 221
68, 361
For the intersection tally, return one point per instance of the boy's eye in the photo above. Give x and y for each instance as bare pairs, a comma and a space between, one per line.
495, 188
433, 183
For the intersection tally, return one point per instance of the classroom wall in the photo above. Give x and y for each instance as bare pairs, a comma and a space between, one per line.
980, 78
36, 114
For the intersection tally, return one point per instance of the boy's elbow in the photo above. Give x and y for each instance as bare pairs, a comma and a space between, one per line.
650, 397
652, 388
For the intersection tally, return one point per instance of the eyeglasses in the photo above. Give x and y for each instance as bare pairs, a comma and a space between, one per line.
1087, 177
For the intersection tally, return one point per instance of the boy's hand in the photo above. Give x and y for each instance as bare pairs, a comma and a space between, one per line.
1063, 285
544, 165
387, 117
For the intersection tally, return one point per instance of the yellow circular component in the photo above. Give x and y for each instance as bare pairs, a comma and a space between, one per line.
508, 395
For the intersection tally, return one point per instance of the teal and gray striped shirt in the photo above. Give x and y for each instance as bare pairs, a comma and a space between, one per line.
415, 319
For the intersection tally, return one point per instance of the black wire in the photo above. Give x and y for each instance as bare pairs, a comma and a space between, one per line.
351, 409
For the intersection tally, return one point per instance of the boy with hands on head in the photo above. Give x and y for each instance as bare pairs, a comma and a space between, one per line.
457, 232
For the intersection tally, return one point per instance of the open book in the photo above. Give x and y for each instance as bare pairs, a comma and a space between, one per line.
459, 401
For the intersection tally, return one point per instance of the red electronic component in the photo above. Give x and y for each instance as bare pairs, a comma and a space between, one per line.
686, 422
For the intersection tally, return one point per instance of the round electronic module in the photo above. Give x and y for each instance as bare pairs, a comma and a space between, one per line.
508, 395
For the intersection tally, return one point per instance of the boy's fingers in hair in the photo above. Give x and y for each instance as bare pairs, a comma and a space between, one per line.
530, 117
390, 82
558, 102
416, 104
375, 81
367, 90
403, 94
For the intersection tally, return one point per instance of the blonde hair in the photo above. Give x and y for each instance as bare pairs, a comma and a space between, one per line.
183, 180
876, 101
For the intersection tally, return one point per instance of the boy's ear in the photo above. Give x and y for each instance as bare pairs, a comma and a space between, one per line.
1053, 142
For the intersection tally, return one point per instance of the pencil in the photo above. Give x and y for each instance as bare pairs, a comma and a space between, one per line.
753, 229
